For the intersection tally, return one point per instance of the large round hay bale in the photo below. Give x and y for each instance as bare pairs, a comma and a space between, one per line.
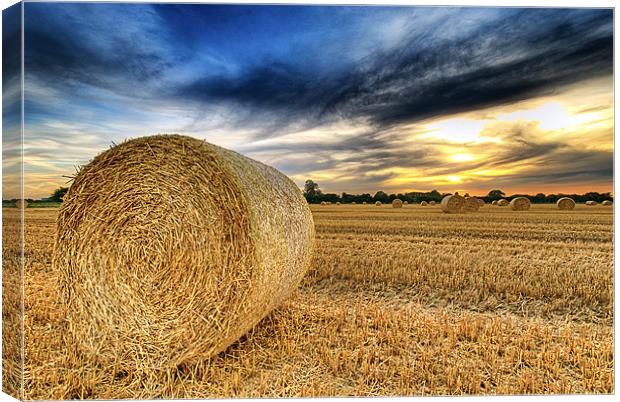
21, 204
423, 203
591, 203
494, 202
169, 249
471, 205
452, 204
520, 204
378, 204
397, 203
607, 203
432, 203
503, 202
565, 203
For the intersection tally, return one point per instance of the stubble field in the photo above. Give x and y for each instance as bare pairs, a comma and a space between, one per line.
397, 302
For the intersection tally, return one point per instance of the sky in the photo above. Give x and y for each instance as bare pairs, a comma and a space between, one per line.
359, 99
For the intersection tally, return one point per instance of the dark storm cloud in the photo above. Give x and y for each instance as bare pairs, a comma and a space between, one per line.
524, 54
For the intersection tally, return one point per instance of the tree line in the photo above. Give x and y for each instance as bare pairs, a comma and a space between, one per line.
314, 195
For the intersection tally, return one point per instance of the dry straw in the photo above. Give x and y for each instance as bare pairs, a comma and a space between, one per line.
520, 204
424, 203
432, 203
453, 204
397, 203
494, 202
323, 203
565, 203
471, 205
480, 202
591, 203
607, 203
503, 202
169, 249
378, 204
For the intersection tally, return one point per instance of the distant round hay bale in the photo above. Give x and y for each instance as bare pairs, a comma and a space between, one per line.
607, 203
323, 203
397, 203
378, 204
520, 204
21, 204
353, 203
452, 204
432, 203
337, 203
364, 203
470, 205
169, 249
405, 202
424, 203
566, 203
494, 202
591, 203
480, 202
503, 202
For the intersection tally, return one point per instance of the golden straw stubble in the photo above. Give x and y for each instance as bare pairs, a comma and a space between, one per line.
169, 249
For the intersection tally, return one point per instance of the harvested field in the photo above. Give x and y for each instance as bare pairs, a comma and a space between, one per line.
407, 301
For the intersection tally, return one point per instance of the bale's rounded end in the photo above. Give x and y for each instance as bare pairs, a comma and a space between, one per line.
607, 203
453, 204
520, 204
566, 204
378, 204
423, 203
169, 249
397, 203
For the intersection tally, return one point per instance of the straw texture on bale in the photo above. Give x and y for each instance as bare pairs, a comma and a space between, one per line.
21, 204
397, 203
424, 203
169, 249
432, 203
378, 204
453, 204
520, 204
591, 203
566, 203
607, 203
503, 202
471, 205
